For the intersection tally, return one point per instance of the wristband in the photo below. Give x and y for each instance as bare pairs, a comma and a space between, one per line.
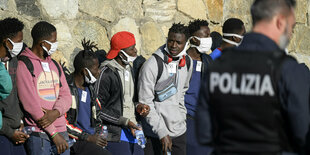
54, 134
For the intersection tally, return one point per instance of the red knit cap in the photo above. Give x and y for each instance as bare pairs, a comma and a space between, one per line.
119, 41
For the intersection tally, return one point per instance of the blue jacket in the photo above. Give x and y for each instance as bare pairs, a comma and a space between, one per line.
294, 93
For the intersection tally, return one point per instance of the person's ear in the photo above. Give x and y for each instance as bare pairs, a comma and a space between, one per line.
8, 43
280, 23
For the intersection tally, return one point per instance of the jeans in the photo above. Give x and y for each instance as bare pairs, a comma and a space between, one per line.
41, 146
7, 147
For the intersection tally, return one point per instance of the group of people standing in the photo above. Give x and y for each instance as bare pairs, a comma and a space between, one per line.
246, 97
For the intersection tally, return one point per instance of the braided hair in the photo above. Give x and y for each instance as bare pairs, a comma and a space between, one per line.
85, 58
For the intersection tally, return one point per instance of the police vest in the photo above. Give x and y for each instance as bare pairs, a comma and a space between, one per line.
245, 109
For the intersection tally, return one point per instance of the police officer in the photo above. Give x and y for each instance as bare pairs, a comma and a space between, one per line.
256, 98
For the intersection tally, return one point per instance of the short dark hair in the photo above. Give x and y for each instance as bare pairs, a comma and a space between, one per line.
216, 40
266, 9
233, 25
84, 59
9, 27
42, 31
179, 28
195, 25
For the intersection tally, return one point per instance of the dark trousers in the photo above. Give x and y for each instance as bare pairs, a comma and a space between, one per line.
154, 147
87, 148
7, 147
192, 145
124, 148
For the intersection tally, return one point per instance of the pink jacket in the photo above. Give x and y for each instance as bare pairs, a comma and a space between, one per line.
43, 91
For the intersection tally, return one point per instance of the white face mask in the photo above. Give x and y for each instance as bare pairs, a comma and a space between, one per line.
232, 35
92, 78
205, 44
129, 58
52, 49
17, 48
183, 52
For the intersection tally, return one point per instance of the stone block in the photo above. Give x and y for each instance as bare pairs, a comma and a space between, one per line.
152, 37
91, 30
104, 9
238, 9
193, 8
160, 11
215, 10
301, 11
300, 40
27, 7
56, 9
4, 4
129, 8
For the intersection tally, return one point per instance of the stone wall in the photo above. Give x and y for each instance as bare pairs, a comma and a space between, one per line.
148, 20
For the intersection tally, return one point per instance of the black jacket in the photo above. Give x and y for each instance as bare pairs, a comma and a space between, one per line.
110, 94
293, 90
206, 61
11, 106
73, 112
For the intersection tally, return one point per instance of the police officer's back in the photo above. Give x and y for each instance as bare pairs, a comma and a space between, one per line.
256, 99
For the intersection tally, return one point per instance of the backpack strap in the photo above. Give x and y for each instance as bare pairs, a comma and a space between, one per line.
160, 65
28, 63
160, 62
59, 71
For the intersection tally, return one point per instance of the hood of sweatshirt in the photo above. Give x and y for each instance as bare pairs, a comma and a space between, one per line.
32, 56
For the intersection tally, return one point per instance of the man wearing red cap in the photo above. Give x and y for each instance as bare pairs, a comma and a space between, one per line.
163, 81
115, 90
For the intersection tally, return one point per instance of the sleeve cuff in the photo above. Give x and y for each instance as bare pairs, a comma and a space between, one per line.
123, 121
83, 136
162, 133
51, 129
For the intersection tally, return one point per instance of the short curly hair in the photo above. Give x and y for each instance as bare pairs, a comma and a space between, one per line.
9, 27
195, 25
179, 28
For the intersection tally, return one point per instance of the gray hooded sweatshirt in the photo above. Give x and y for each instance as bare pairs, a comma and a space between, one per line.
169, 116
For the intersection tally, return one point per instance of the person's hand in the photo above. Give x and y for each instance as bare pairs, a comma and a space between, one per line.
132, 126
49, 117
166, 144
19, 137
143, 109
61, 143
96, 139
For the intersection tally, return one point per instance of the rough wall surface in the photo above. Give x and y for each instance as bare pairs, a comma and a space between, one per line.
148, 20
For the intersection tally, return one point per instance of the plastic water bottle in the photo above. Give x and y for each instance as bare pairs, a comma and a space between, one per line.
140, 137
168, 153
28, 130
104, 133
54, 148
